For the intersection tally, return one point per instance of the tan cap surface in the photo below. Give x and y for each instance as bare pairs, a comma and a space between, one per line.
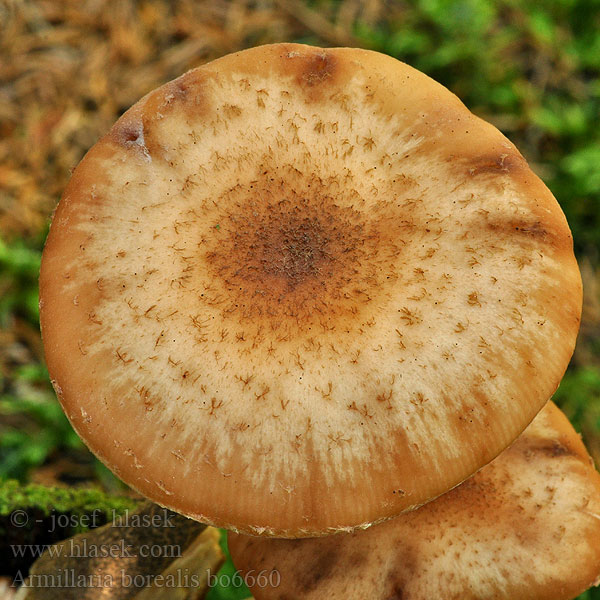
297, 290
525, 527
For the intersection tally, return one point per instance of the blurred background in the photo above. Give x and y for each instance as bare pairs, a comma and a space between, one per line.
69, 68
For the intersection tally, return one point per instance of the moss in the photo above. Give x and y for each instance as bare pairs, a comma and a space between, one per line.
35, 516
73, 501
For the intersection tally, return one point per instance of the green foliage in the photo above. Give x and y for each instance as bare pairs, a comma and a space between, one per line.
19, 270
47, 431
579, 398
34, 428
223, 591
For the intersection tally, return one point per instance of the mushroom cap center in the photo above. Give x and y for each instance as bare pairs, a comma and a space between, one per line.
291, 247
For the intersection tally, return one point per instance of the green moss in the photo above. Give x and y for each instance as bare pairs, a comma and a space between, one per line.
38, 516
73, 501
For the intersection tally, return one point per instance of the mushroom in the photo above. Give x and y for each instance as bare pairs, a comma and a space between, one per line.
524, 527
296, 291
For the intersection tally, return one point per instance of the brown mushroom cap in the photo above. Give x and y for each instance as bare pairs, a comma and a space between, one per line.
298, 290
525, 527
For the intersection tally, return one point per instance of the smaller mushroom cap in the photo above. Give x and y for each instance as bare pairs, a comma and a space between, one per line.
525, 527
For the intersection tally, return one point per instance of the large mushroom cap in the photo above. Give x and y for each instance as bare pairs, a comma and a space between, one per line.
525, 527
297, 290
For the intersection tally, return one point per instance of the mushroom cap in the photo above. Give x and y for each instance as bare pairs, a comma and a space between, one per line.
300, 290
525, 527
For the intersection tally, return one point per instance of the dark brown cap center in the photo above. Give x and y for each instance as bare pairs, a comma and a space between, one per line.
286, 251
291, 246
